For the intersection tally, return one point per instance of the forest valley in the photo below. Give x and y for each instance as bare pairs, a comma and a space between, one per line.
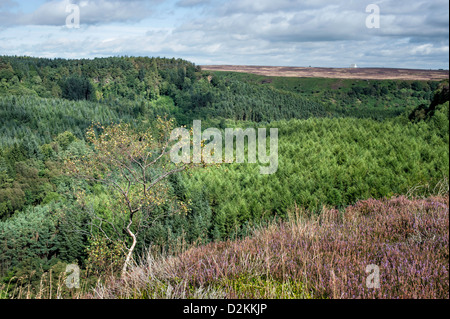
85, 180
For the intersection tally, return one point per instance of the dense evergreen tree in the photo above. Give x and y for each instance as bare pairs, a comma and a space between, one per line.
77, 88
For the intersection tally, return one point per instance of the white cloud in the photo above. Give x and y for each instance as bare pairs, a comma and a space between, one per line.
285, 32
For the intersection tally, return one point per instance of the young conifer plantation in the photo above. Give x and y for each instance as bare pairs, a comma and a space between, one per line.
362, 179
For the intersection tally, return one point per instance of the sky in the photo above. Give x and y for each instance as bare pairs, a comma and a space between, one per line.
332, 33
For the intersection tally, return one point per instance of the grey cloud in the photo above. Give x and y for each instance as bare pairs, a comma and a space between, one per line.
315, 25
8, 4
192, 3
285, 32
269, 6
414, 33
91, 12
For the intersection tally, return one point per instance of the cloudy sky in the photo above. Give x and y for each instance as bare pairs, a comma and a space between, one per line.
332, 33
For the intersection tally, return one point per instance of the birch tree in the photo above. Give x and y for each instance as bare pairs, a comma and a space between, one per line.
133, 165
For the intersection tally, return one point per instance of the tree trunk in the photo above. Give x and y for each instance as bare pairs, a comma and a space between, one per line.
130, 250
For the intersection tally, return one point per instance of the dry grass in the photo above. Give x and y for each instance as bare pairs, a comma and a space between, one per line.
50, 286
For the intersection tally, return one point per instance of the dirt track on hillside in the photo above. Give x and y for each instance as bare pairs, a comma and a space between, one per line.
336, 73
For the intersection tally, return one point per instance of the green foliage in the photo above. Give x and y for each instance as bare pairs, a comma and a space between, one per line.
65, 139
77, 88
326, 161
29, 235
440, 120
104, 256
35, 240
338, 143
97, 80
377, 99
35, 120
425, 111
242, 102
247, 286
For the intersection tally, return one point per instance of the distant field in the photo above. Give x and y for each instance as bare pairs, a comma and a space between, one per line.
340, 73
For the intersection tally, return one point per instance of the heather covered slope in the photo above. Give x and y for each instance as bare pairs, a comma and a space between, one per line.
312, 256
